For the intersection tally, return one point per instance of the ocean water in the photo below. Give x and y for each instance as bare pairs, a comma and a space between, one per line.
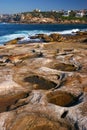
11, 31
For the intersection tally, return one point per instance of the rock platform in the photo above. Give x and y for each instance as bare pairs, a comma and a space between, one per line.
43, 86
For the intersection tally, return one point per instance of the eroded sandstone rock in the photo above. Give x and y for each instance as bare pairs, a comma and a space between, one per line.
46, 89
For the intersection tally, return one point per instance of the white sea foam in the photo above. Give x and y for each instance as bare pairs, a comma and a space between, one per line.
7, 38
27, 34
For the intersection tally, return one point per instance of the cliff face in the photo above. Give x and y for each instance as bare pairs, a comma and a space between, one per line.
40, 20
44, 85
49, 19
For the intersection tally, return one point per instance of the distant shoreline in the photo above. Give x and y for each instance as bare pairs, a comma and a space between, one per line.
43, 23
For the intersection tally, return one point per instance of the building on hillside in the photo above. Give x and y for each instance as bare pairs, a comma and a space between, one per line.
1, 16
81, 13
36, 10
66, 13
55, 11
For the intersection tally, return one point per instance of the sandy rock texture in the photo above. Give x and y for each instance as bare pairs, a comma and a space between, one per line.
43, 86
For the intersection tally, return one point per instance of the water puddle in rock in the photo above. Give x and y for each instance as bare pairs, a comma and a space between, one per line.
8, 100
60, 98
64, 67
40, 82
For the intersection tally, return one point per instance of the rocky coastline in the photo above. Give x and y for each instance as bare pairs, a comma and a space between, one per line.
44, 85
48, 21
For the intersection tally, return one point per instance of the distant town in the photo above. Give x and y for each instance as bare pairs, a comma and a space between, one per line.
53, 16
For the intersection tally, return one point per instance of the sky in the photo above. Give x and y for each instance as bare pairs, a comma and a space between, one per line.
17, 6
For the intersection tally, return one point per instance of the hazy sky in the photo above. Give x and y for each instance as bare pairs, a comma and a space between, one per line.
13, 6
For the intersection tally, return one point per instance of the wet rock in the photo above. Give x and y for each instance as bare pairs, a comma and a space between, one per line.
48, 38
14, 41
55, 37
45, 38
82, 33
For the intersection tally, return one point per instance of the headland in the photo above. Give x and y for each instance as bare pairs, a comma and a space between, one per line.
47, 17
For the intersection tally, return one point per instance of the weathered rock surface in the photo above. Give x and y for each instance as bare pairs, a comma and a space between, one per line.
43, 86
48, 38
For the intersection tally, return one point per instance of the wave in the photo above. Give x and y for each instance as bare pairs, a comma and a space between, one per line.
27, 34
66, 32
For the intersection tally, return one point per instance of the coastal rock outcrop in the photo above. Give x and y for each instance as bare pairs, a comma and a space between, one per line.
48, 38
55, 37
44, 85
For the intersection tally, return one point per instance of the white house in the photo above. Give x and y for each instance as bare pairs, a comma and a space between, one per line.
80, 14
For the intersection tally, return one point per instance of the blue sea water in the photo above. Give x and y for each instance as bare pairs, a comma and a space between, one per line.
11, 31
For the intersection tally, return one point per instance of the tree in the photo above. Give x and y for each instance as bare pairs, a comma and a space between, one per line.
72, 13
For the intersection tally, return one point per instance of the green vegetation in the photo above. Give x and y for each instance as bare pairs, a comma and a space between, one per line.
74, 18
48, 14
